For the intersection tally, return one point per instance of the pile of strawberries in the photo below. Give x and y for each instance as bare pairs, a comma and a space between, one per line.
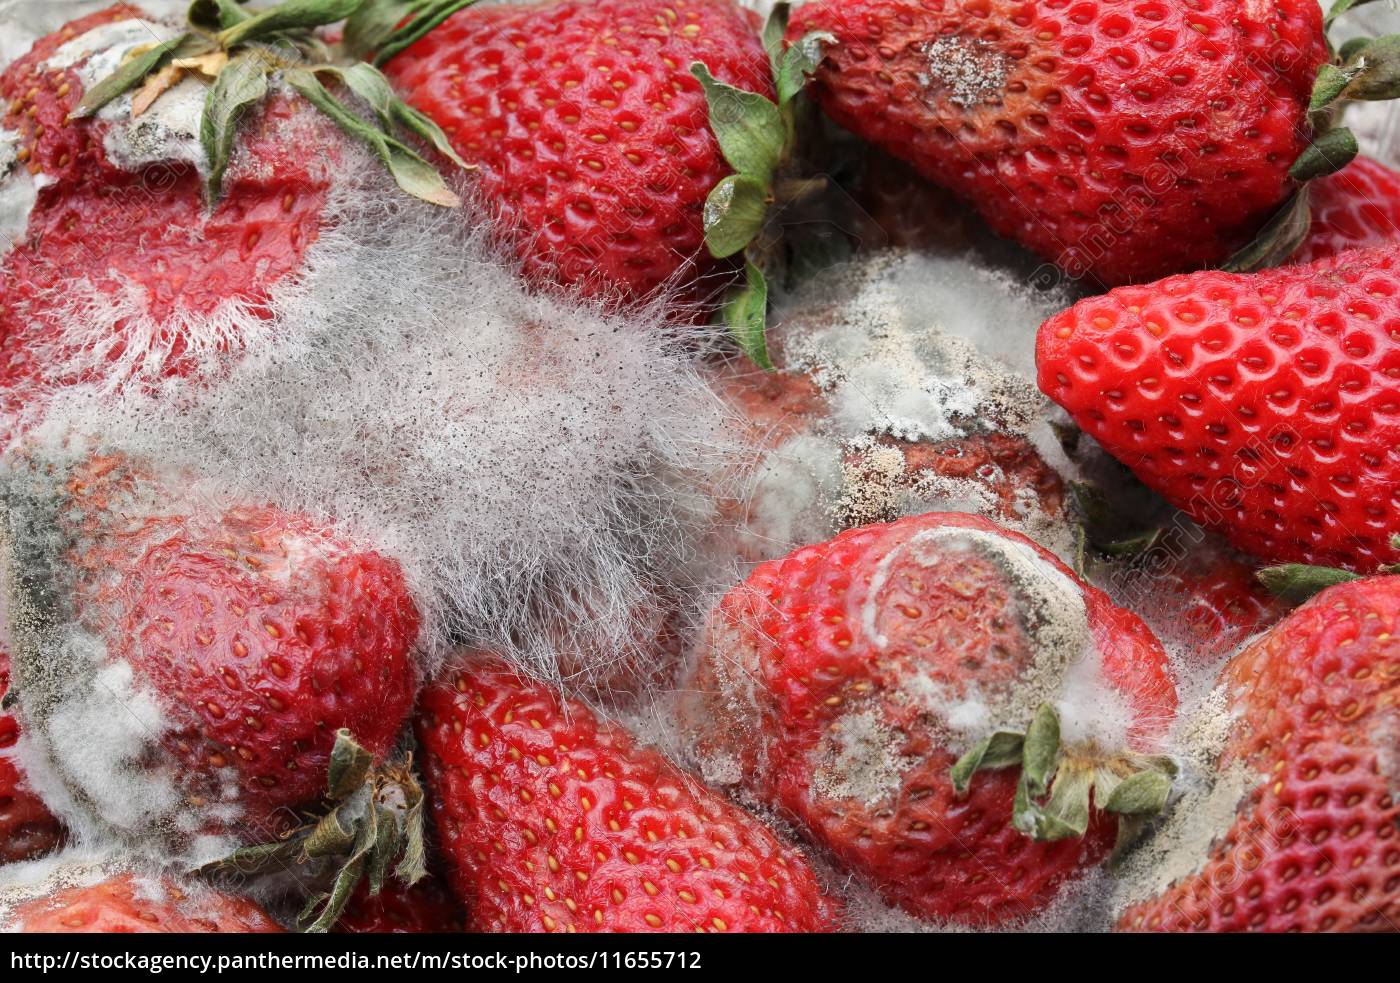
935, 709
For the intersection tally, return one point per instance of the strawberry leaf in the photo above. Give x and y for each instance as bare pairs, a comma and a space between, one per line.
798, 63
1297, 582
1041, 750
429, 16
1278, 239
411, 172
375, 22
748, 126
1341, 7
1327, 154
216, 15
775, 33
369, 84
1144, 793
734, 214
1001, 750
287, 16
1331, 81
1376, 70
745, 312
241, 84
131, 73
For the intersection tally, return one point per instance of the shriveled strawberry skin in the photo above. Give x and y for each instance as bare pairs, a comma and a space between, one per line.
832, 681
552, 820
1266, 406
592, 136
424, 908
27, 828
1316, 727
1123, 142
1356, 208
262, 633
141, 240
127, 905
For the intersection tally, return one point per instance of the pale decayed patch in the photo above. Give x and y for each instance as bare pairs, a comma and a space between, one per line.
18, 192
858, 758
915, 347
968, 71
25, 882
1051, 608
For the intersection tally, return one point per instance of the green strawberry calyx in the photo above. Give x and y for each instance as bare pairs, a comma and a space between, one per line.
1059, 785
240, 51
1298, 582
371, 830
1365, 69
757, 137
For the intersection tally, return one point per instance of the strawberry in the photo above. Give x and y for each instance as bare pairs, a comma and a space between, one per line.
1263, 405
1122, 142
591, 135
1209, 601
396, 910
1357, 207
554, 820
27, 828
258, 632
1308, 777
138, 240
128, 904
148, 247
842, 683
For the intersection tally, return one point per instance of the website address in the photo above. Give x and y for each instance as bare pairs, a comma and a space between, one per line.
216, 964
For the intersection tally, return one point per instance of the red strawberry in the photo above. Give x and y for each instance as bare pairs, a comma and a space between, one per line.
397, 910
27, 828
1309, 842
1216, 600
1263, 405
554, 820
1124, 142
137, 236
260, 633
128, 904
591, 134
842, 683
1357, 207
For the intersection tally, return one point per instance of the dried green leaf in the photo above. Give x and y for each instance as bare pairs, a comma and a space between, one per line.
216, 15
411, 172
1327, 154
1278, 239
129, 75
799, 62
411, 33
291, 15
369, 84
1041, 750
1297, 582
241, 84
1001, 750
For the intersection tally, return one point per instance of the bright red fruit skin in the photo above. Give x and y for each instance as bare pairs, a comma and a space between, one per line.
27, 828
552, 820
1356, 208
592, 136
796, 637
263, 633
1313, 846
1122, 142
124, 906
1266, 406
125, 237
